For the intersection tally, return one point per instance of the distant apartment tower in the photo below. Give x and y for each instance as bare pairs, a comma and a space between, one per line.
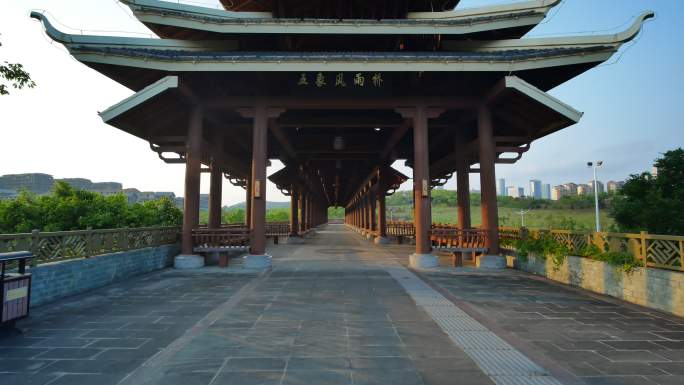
535, 189
546, 191
584, 189
599, 184
516, 192
557, 192
570, 188
35, 182
613, 186
501, 187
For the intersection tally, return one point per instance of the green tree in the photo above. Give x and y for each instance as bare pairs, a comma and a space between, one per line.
14, 75
67, 208
654, 203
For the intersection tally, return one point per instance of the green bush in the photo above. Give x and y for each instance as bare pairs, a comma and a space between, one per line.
618, 259
67, 208
543, 247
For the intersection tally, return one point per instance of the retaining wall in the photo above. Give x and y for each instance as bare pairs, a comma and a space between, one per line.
52, 281
653, 288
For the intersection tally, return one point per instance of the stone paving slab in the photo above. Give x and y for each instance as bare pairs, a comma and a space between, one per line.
597, 340
102, 336
332, 312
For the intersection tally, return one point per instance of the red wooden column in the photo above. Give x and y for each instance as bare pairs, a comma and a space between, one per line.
463, 193
191, 201
248, 203
302, 207
373, 218
421, 191
258, 198
294, 211
215, 191
380, 193
192, 179
490, 219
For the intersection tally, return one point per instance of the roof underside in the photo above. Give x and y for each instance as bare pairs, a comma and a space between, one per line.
304, 134
339, 9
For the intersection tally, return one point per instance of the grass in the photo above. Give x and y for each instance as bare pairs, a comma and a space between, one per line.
542, 218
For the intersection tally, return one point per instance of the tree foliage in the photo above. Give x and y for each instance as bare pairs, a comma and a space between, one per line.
14, 75
67, 208
654, 203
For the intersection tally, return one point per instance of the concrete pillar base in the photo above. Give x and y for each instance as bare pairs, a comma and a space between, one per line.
423, 261
369, 236
188, 261
256, 261
294, 240
491, 262
381, 240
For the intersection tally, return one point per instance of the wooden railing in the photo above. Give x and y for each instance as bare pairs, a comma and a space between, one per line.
400, 229
63, 245
204, 239
451, 237
659, 251
275, 229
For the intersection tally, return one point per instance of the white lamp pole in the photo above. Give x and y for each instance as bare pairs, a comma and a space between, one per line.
596, 200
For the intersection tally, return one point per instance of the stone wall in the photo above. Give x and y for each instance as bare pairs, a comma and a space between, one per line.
653, 288
52, 281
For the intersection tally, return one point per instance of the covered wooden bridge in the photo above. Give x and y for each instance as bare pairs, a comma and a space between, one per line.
338, 93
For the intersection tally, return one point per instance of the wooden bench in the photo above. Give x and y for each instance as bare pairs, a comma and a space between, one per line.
221, 241
459, 242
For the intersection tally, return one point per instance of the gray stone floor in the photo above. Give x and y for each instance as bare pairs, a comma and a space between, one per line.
595, 340
330, 313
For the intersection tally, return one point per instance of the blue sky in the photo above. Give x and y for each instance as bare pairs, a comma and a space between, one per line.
632, 105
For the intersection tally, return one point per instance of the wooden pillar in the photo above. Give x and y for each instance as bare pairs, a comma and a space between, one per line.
193, 166
258, 198
373, 218
215, 192
294, 211
380, 203
248, 203
463, 194
421, 181
302, 207
490, 219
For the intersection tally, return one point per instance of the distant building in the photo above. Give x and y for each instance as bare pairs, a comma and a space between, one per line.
516, 192
35, 182
501, 187
570, 188
613, 186
601, 188
78, 183
654, 171
535, 189
546, 191
584, 189
8, 194
557, 192
107, 188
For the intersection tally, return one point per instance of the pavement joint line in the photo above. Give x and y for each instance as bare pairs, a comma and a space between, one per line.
153, 366
500, 361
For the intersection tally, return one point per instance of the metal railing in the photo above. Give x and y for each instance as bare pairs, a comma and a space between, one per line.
63, 245
659, 251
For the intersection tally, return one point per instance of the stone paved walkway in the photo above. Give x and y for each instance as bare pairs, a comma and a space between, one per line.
339, 310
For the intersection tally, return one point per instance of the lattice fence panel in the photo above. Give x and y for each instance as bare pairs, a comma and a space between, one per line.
664, 253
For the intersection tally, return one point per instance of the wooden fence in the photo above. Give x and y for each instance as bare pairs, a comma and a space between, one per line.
62, 245
660, 251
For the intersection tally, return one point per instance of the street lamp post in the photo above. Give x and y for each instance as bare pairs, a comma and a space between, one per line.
596, 200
